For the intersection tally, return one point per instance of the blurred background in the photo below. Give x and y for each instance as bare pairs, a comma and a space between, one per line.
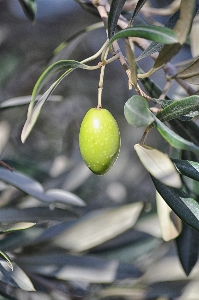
51, 156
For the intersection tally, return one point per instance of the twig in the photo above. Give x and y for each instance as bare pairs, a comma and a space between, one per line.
6, 166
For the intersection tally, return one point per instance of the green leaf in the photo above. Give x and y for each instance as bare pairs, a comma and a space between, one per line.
115, 11
132, 64
189, 105
16, 278
165, 55
174, 139
159, 165
65, 66
98, 227
170, 223
35, 189
188, 248
183, 25
187, 129
29, 8
33, 113
138, 7
24, 100
185, 207
78, 267
35, 214
151, 49
181, 29
187, 168
137, 112
18, 226
155, 33
154, 46
191, 73
7, 259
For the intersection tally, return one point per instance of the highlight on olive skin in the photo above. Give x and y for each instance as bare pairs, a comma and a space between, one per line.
99, 140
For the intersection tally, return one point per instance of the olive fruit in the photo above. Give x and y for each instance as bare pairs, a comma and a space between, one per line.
99, 140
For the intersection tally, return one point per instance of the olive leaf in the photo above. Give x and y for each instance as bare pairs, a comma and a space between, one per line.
185, 207
154, 46
115, 11
29, 8
151, 32
187, 168
190, 74
178, 108
35, 189
132, 65
188, 248
181, 29
7, 259
189, 130
174, 139
136, 111
138, 7
98, 227
33, 112
159, 165
170, 223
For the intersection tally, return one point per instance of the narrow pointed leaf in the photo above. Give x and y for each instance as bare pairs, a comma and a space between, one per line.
151, 49
18, 226
190, 74
178, 108
188, 248
132, 65
190, 70
65, 197
170, 223
22, 279
115, 11
166, 54
185, 207
137, 112
174, 139
187, 129
65, 66
33, 113
35, 189
154, 46
99, 227
187, 168
181, 29
29, 8
151, 32
183, 25
138, 7
35, 214
7, 259
16, 278
24, 100
158, 164
84, 268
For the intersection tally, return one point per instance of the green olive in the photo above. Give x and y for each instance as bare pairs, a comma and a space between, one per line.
99, 140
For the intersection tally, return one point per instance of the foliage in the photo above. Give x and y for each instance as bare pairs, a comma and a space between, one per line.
52, 242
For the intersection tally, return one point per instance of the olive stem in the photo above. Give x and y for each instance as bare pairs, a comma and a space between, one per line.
6, 166
142, 141
96, 54
100, 86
